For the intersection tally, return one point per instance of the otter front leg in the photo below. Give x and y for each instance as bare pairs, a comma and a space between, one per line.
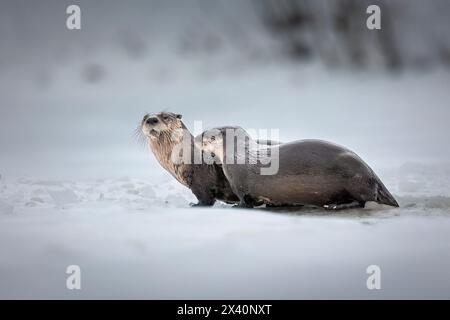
245, 202
201, 204
204, 196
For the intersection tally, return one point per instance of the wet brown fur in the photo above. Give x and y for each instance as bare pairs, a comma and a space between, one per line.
206, 181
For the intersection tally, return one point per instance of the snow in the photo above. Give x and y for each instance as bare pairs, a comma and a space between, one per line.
136, 239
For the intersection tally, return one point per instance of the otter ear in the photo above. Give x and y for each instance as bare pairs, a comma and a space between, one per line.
179, 116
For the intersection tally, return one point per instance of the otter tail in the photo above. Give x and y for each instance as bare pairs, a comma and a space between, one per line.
384, 196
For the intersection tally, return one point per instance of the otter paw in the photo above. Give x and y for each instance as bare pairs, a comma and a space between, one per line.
344, 206
200, 204
242, 205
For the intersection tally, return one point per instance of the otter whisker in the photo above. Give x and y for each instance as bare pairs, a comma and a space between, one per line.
138, 136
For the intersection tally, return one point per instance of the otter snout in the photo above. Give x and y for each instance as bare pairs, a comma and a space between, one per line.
152, 121
163, 122
151, 126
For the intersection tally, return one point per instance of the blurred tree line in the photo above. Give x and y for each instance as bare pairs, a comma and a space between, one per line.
413, 33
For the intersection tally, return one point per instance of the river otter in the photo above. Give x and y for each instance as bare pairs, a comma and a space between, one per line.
164, 132
310, 172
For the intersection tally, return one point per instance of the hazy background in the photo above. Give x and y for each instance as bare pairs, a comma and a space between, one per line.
70, 99
77, 188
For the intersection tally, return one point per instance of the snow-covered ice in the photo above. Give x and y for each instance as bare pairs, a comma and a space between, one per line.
136, 239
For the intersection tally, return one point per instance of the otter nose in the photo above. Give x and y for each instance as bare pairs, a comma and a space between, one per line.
152, 120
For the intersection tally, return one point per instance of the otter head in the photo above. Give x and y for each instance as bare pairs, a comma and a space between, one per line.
212, 144
155, 124
224, 143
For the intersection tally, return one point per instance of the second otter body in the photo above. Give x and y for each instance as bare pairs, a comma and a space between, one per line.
311, 172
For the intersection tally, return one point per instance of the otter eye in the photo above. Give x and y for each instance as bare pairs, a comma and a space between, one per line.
165, 117
213, 154
213, 138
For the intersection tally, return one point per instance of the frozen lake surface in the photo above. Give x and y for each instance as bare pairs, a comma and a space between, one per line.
140, 239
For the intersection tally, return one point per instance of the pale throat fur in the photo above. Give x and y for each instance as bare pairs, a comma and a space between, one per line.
162, 147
